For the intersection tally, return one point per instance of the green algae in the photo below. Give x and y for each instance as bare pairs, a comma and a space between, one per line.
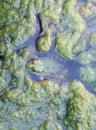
75, 24
15, 26
33, 105
43, 102
64, 14
87, 9
36, 104
20, 19
80, 108
79, 48
43, 44
23, 52
48, 124
87, 74
86, 57
44, 105
92, 40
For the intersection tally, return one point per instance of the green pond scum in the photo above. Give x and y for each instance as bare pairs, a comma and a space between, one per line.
67, 28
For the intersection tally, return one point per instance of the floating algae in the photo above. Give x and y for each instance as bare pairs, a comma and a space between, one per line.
80, 108
46, 105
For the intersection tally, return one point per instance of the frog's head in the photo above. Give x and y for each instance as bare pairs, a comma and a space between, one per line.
35, 65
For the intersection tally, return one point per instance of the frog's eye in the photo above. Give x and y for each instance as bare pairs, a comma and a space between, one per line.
34, 69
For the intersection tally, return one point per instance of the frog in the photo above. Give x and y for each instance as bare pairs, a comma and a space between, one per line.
44, 66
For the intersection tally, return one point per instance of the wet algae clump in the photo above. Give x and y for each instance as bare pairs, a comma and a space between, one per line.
80, 108
72, 27
45, 105
17, 20
26, 104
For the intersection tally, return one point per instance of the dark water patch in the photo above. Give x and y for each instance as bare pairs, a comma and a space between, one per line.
1, 59
39, 22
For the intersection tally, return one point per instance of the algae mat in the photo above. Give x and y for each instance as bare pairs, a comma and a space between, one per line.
47, 65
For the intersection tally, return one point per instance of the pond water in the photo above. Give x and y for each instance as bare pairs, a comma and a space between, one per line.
34, 103
70, 69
